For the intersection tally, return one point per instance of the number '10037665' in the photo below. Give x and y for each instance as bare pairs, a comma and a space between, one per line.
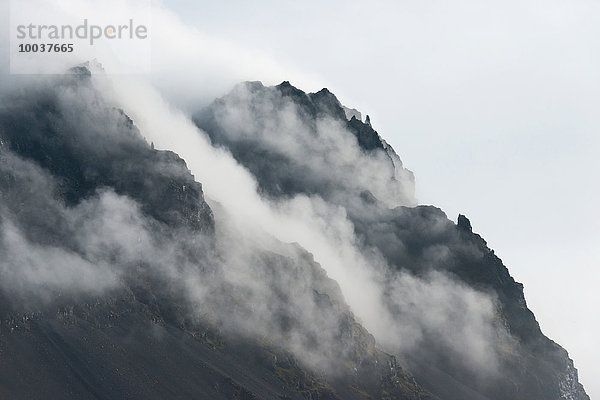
45, 48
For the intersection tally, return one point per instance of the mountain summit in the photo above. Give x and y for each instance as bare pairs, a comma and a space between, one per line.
295, 142
418, 240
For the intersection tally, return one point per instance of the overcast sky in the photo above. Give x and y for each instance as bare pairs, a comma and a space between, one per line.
493, 105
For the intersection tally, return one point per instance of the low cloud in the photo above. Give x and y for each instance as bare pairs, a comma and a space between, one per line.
395, 308
255, 280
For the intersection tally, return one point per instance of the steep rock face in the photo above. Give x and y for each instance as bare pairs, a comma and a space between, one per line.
530, 364
275, 132
116, 281
90, 147
296, 142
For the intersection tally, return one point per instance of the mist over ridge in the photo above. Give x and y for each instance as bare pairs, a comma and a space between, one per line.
296, 248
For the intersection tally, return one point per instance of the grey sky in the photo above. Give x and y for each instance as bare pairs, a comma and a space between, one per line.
493, 105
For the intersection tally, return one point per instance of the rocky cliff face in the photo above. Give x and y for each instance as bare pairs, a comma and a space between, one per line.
419, 240
118, 280
295, 142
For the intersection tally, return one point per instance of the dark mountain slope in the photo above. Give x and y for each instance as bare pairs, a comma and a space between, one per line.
295, 142
73, 356
88, 145
279, 132
116, 282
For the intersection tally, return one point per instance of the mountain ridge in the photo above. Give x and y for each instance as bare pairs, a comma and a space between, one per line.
144, 294
411, 232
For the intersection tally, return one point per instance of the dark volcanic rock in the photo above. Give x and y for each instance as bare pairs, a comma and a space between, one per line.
297, 142
420, 241
116, 282
88, 145
79, 186
464, 223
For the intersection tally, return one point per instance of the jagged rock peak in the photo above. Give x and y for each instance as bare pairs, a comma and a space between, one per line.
352, 113
87, 68
80, 71
287, 89
464, 224
314, 113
